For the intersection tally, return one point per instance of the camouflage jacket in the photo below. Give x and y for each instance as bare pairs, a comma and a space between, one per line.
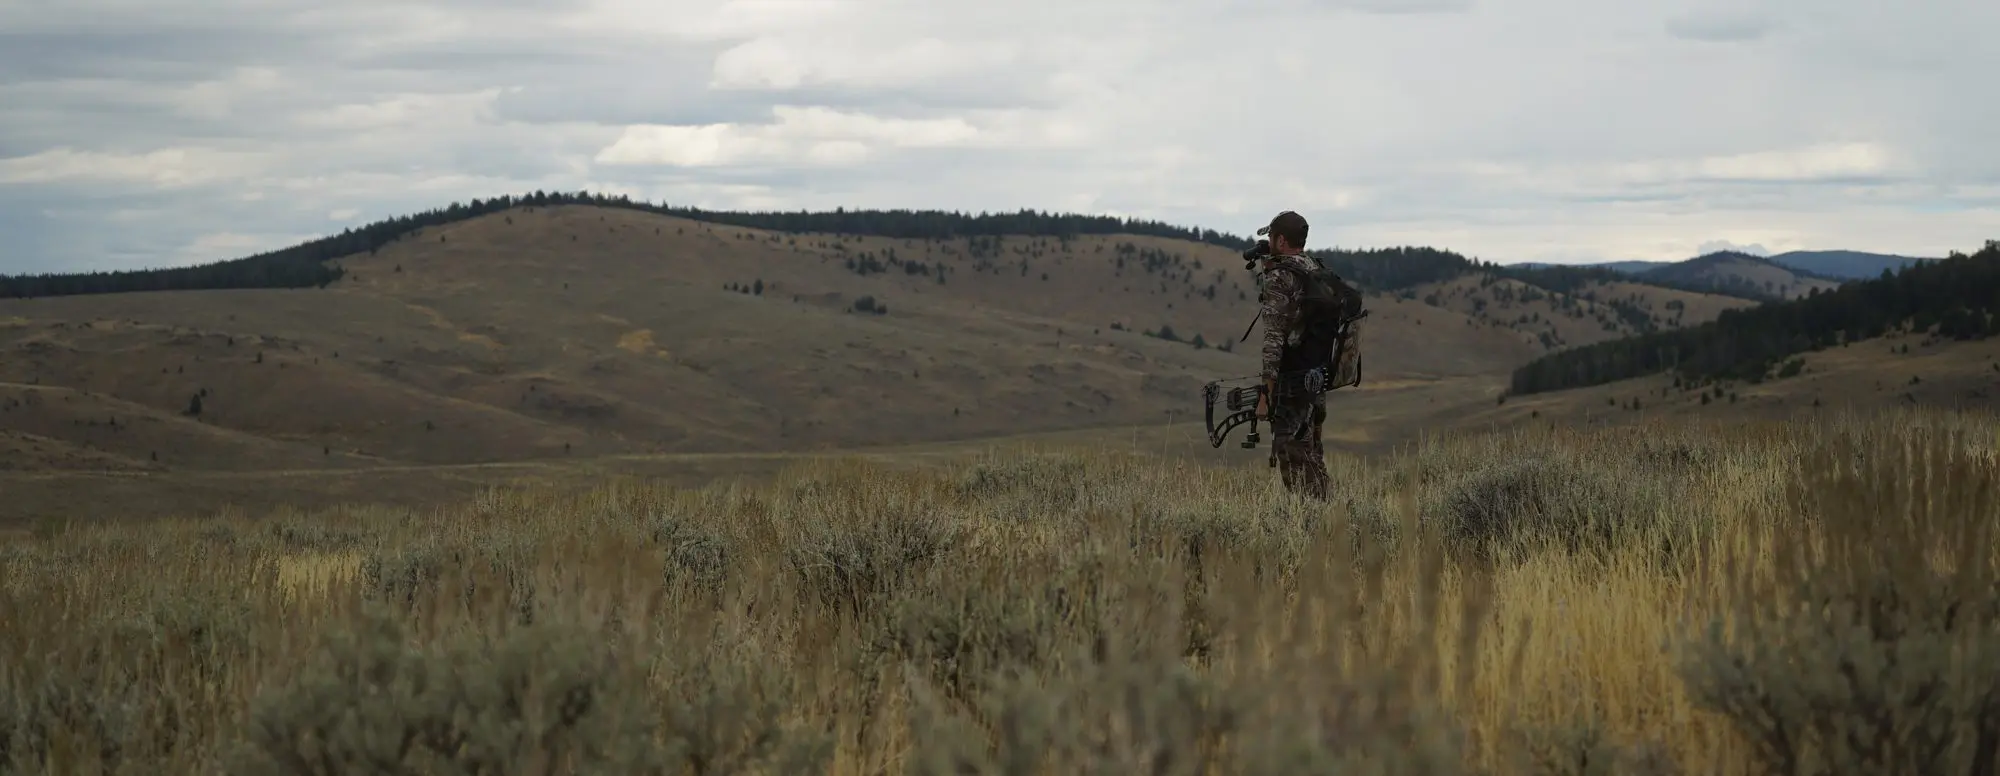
1280, 300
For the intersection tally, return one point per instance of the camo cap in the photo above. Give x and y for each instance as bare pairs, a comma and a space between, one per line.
1288, 223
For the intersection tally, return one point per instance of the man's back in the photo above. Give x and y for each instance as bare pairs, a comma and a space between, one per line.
1283, 310
1297, 402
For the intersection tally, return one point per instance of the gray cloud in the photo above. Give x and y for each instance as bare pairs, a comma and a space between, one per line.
171, 132
1720, 27
1400, 6
137, 55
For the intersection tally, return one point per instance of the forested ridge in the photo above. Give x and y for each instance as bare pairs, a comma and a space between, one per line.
306, 264
1954, 298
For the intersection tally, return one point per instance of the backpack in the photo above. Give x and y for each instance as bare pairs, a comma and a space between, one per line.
1330, 316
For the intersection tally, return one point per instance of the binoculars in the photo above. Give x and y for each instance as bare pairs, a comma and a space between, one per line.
1255, 252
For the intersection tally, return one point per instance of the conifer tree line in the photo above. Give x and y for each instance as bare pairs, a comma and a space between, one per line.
1956, 298
299, 267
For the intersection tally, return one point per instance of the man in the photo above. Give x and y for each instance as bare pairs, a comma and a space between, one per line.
1293, 403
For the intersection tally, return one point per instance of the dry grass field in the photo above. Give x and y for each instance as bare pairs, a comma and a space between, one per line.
1808, 596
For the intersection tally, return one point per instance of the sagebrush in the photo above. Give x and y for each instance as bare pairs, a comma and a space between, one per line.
1807, 597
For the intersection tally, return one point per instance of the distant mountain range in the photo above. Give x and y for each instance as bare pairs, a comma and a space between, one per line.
1833, 265
1845, 265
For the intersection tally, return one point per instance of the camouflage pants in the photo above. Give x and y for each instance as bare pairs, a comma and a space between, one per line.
1297, 419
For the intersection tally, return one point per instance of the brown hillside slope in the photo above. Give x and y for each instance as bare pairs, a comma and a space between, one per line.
1594, 312
549, 333
1742, 272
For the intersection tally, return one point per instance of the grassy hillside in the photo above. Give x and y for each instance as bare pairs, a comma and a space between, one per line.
1586, 312
1739, 274
552, 332
1513, 604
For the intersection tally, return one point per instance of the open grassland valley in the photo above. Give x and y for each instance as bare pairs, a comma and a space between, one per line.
1800, 597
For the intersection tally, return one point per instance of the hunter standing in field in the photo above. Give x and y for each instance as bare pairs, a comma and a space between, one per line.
1294, 402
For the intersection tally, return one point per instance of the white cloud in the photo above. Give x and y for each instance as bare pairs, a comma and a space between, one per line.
163, 168
700, 20
1816, 162
1822, 163
1529, 130
778, 63
220, 98
1720, 25
403, 111
822, 136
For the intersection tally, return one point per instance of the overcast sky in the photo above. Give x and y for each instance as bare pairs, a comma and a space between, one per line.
158, 132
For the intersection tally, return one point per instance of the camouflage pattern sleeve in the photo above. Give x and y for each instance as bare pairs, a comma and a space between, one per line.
1280, 301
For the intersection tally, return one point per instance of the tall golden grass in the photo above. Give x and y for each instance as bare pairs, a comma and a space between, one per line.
1805, 597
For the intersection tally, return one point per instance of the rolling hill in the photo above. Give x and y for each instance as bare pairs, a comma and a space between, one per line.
543, 332
1586, 312
557, 336
1738, 274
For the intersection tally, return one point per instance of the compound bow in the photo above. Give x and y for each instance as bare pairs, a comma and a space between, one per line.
1241, 406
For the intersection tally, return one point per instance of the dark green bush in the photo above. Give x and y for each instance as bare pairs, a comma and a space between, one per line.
536, 700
